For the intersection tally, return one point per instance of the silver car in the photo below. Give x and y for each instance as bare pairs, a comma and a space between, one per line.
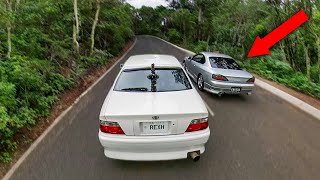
218, 74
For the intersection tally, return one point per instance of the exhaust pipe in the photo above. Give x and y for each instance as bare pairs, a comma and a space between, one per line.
195, 155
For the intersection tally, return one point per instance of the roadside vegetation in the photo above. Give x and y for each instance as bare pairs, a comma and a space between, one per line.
230, 27
47, 47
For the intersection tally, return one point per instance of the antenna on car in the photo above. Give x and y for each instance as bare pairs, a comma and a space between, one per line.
153, 77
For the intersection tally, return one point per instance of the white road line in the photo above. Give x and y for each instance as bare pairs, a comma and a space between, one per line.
279, 93
290, 99
58, 119
209, 109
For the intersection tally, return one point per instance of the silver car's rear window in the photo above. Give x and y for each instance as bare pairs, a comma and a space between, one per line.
224, 63
169, 79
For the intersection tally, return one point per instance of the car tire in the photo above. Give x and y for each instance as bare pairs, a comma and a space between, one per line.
200, 82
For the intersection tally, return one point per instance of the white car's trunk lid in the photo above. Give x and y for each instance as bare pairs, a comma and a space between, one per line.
153, 113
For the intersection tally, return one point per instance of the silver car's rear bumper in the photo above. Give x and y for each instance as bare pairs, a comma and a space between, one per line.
218, 87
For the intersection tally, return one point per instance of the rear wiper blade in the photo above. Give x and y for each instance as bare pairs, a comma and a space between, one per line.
135, 89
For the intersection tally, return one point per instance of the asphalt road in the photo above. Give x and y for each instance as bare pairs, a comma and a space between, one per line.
253, 137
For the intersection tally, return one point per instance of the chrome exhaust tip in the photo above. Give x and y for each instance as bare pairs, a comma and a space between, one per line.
195, 156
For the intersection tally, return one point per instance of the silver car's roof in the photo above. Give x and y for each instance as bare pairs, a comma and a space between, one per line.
213, 54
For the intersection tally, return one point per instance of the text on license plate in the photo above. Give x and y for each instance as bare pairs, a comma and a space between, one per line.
235, 89
155, 127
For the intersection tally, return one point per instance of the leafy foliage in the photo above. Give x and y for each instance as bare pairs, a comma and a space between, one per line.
230, 27
282, 72
174, 35
43, 64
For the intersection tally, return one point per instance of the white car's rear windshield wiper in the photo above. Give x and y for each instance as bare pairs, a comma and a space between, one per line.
135, 89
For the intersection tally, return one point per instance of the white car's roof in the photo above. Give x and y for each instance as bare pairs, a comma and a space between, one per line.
138, 61
213, 54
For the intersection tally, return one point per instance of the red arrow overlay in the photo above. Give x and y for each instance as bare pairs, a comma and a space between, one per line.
261, 46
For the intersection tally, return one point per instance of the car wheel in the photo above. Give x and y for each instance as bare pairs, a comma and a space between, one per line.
200, 82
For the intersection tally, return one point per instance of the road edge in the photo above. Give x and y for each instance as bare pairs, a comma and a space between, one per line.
16, 165
307, 108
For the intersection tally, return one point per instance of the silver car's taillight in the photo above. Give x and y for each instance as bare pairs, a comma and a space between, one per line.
251, 80
219, 77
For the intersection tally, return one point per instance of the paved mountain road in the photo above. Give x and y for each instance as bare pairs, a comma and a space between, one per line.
253, 137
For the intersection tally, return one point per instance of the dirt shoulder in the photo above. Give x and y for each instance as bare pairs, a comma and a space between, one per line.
25, 137
306, 98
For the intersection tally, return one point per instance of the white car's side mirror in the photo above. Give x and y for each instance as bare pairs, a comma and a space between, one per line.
121, 66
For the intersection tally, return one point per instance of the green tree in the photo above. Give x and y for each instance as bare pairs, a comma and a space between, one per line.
47, 55
185, 21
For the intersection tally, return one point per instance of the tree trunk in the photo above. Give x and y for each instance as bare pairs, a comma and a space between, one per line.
76, 27
200, 15
282, 51
318, 47
307, 57
199, 25
208, 41
9, 9
289, 52
94, 25
184, 33
17, 5
9, 41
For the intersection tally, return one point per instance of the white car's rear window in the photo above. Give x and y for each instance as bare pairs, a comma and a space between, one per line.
169, 79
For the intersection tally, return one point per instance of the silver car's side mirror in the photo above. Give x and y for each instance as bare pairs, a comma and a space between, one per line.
121, 66
188, 57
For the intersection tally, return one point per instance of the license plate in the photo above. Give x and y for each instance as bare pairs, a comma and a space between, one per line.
235, 90
159, 127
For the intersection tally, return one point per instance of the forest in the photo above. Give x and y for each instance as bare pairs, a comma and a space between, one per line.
48, 46
231, 26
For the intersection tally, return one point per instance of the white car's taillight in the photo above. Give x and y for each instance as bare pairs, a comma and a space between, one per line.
198, 124
110, 127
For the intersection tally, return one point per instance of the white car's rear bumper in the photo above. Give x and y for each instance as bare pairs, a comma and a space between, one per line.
151, 148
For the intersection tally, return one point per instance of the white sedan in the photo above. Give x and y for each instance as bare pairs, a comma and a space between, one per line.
153, 112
